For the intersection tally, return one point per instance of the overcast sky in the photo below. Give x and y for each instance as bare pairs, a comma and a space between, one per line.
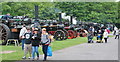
117, 0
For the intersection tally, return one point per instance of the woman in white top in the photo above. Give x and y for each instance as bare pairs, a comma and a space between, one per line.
105, 35
21, 35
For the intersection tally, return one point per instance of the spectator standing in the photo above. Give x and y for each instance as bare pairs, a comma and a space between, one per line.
117, 34
27, 45
45, 42
21, 35
93, 30
90, 37
35, 43
114, 32
105, 35
90, 29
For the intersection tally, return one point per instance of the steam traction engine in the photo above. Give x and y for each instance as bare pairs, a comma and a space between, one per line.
9, 29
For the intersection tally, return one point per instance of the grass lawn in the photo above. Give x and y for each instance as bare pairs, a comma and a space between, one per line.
111, 35
56, 45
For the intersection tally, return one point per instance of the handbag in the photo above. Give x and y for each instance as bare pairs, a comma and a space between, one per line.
49, 51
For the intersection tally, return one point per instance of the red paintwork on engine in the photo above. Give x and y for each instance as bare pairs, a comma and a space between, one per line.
51, 32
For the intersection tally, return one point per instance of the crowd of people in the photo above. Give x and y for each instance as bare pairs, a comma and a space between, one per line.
102, 34
31, 40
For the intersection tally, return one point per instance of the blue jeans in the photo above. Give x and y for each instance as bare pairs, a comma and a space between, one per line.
44, 49
23, 41
35, 50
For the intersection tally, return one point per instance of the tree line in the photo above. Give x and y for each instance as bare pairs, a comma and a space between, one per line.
101, 12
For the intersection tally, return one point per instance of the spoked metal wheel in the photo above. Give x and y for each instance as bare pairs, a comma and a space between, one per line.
4, 33
71, 34
66, 34
76, 34
59, 35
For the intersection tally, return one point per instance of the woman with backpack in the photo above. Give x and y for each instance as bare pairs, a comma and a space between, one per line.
45, 42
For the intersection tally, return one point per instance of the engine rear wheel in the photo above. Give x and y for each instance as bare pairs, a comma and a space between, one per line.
66, 34
4, 33
76, 34
71, 34
59, 35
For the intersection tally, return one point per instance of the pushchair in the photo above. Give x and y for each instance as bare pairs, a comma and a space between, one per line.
99, 39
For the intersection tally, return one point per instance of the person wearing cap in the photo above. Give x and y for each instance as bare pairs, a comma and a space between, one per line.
35, 43
27, 45
45, 42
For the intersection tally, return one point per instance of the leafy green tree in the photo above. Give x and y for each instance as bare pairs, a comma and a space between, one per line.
101, 12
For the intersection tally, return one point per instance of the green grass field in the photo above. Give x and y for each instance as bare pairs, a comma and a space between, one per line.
56, 45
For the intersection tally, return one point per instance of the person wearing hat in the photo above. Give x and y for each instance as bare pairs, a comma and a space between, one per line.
35, 43
27, 45
45, 42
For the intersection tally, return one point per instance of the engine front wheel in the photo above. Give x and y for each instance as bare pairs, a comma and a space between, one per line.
71, 34
4, 33
66, 34
59, 35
